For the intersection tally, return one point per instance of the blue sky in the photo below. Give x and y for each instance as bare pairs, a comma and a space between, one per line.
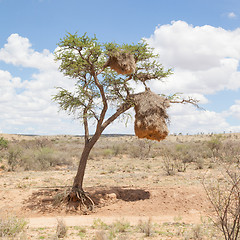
198, 39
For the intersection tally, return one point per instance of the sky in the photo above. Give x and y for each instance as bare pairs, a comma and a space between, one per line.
198, 39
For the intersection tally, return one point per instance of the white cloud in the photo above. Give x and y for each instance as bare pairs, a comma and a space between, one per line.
235, 109
31, 108
232, 15
188, 119
18, 51
204, 59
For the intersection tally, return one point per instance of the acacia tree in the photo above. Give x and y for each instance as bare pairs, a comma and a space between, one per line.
99, 88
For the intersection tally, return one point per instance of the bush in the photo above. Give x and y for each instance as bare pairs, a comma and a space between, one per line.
3, 143
107, 153
42, 159
13, 158
12, 226
230, 151
215, 144
142, 148
224, 195
146, 227
168, 165
61, 231
121, 226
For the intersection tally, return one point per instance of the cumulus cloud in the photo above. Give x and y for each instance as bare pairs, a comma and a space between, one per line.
188, 119
232, 15
205, 60
18, 51
26, 105
235, 109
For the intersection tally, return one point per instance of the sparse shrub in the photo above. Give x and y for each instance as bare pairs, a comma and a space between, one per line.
168, 165
61, 230
13, 158
116, 150
45, 157
121, 226
3, 143
12, 226
100, 235
197, 232
81, 231
230, 151
215, 144
107, 153
141, 148
224, 195
99, 224
146, 227
199, 163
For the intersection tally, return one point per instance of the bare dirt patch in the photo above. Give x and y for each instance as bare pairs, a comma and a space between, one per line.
123, 182
188, 202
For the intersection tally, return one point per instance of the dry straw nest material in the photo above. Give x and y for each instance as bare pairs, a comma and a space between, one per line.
122, 62
151, 116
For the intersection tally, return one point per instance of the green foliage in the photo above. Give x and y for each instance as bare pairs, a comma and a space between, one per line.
11, 227
215, 142
42, 159
99, 224
3, 143
13, 158
38, 155
121, 226
85, 59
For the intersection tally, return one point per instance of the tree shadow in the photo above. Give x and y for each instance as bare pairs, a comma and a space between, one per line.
52, 200
120, 193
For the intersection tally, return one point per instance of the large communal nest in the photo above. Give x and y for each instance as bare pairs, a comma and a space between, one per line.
122, 62
151, 116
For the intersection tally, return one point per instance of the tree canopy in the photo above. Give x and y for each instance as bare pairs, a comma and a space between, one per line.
97, 85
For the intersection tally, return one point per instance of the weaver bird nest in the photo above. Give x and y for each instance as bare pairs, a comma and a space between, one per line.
151, 116
122, 62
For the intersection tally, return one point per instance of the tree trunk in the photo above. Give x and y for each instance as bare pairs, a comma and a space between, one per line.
78, 180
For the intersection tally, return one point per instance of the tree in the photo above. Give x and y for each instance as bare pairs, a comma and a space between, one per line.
98, 86
224, 196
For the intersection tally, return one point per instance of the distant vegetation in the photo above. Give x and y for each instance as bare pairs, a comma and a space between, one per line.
177, 152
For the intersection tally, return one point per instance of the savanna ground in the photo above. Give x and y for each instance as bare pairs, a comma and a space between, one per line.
141, 189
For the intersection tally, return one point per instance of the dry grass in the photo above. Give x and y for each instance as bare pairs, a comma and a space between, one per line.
12, 227
177, 230
61, 230
119, 161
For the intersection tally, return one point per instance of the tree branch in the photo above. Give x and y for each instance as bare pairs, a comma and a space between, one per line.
104, 101
189, 100
85, 122
123, 108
